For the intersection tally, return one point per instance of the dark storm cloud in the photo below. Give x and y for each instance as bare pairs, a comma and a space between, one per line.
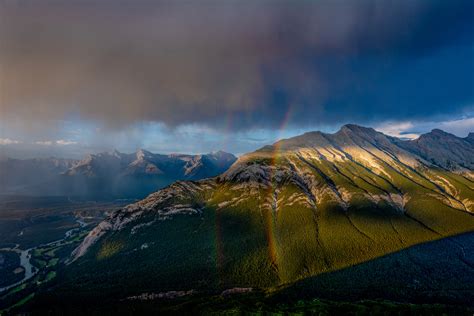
234, 63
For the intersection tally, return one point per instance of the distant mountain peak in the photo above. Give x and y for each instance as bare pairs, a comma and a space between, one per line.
142, 154
356, 128
438, 133
116, 153
220, 154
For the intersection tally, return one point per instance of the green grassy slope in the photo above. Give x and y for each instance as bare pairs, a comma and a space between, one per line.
435, 272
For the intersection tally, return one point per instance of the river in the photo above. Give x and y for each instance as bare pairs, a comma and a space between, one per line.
25, 255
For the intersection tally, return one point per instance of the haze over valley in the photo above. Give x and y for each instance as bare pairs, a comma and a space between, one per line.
107, 175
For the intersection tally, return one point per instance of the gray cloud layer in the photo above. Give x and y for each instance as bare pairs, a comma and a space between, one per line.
119, 62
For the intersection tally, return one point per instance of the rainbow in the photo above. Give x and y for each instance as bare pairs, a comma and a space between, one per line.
270, 216
219, 246
219, 243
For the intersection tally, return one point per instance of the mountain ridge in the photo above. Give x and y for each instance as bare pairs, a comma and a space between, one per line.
140, 173
430, 148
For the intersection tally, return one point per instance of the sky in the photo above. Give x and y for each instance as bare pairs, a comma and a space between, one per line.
80, 76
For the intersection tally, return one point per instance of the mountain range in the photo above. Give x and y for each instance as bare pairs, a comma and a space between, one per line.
108, 174
296, 209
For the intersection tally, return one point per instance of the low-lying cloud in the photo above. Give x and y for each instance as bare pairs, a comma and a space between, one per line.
8, 141
59, 142
232, 64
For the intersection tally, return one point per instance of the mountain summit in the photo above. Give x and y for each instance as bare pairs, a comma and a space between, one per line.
298, 208
435, 149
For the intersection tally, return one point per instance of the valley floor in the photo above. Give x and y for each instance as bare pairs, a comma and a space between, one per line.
435, 278
37, 235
